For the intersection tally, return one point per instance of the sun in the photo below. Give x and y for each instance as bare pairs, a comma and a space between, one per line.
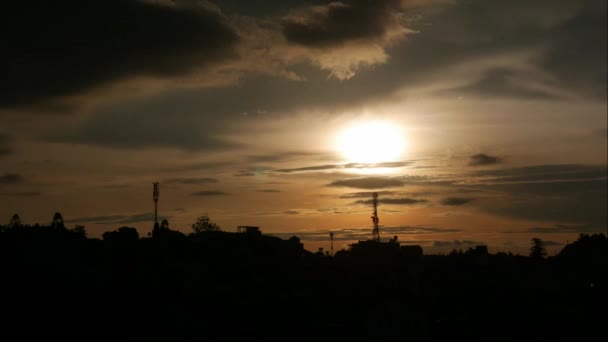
371, 142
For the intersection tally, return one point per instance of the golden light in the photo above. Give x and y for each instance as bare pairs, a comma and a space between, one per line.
371, 142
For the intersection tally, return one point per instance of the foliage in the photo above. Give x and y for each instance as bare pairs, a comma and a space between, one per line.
122, 234
15, 221
80, 230
537, 250
204, 224
58, 220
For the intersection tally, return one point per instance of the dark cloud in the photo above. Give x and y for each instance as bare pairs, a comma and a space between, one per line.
5, 148
504, 82
338, 23
206, 193
269, 190
65, 47
22, 194
280, 157
555, 172
175, 120
549, 243
455, 201
10, 178
566, 228
457, 243
203, 180
115, 219
483, 159
244, 174
369, 194
398, 200
345, 166
367, 183
574, 194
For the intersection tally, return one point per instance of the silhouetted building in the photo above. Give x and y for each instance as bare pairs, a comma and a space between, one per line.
249, 230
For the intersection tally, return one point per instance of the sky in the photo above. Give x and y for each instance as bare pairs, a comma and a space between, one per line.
476, 122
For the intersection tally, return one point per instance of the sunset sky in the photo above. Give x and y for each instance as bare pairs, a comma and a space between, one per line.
477, 122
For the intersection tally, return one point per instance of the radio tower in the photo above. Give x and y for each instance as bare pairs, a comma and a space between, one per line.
375, 219
331, 238
155, 198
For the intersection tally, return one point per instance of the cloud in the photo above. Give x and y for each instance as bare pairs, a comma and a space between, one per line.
195, 180
338, 23
367, 183
549, 243
244, 174
457, 243
369, 194
483, 159
206, 193
66, 47
544, 173
398, 200
567, 194
22, 194
10, 178
280, 156
280, 213
269, 190
5, 149
116, 219
566, 228
455, 201
152, 122
343, 36
346, 166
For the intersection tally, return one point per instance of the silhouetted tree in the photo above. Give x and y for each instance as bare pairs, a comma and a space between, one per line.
57, 221
79, 230
204, 224
164, 224
15, 221
537, 250
122, 234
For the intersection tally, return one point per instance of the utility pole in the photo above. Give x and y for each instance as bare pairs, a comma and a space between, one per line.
375, 219
155, 194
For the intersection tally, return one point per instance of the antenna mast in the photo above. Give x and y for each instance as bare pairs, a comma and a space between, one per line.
375, 219
331, 238
155, 194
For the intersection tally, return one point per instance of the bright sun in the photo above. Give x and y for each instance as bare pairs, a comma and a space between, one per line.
371, 142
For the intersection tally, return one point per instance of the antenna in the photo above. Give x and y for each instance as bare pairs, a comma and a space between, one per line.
155, 194
331, 238
375, 219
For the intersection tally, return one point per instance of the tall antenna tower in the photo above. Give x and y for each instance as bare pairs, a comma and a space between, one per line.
155, 194
375, 219
331, 238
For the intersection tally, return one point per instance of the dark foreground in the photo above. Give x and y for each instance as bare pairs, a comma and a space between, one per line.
228, 287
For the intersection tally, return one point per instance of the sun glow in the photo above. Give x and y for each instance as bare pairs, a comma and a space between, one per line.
371, 142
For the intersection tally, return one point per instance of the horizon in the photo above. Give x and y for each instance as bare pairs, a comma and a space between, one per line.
477, 123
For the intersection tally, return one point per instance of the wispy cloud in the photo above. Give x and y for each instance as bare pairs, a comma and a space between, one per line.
189, 181
115, 219
483, 159
454, 201
397, 200
11, 178
207, 193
